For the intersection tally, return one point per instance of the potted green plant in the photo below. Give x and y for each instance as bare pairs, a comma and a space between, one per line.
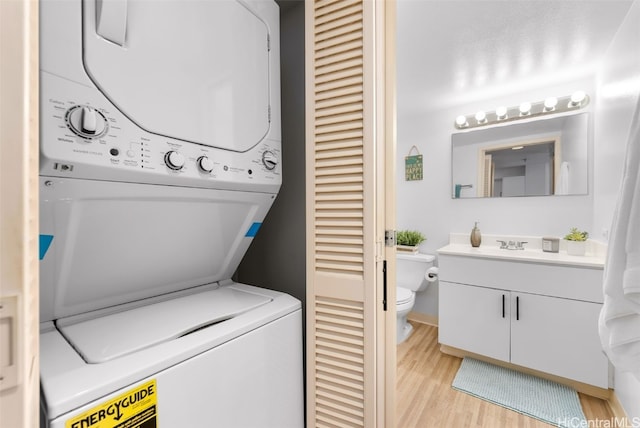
576, 241
409, 240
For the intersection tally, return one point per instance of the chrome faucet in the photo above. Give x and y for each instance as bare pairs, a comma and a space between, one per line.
511, 245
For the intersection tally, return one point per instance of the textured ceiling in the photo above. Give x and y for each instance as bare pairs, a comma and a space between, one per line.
451, 52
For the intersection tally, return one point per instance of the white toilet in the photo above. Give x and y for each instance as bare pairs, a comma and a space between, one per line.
411, 276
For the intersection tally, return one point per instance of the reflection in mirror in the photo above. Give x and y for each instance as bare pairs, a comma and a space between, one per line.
524, 168
537, 158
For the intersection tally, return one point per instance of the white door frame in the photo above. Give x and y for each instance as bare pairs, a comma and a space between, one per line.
19, 390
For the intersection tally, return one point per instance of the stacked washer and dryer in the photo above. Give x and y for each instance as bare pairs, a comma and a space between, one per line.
160, 147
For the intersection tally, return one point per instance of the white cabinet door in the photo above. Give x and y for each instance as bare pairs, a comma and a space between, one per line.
475, 319
558, 336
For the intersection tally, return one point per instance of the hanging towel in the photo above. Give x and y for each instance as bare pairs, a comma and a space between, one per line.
619, 323
562, 187
458, 189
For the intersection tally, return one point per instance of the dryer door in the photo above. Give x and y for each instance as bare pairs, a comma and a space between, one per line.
192, 70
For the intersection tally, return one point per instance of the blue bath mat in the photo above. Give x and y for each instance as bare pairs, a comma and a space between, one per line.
542, 399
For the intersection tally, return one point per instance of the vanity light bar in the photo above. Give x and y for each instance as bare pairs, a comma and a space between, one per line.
526, 110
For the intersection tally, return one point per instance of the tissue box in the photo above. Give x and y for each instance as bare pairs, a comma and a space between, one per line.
550, 245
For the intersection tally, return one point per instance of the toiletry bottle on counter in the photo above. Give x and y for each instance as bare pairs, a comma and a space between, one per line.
476, 238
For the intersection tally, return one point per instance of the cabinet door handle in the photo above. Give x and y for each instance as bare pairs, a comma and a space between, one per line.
517, 308
384, 285
503, 306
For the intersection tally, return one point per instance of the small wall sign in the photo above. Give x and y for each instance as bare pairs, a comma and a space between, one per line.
413, 165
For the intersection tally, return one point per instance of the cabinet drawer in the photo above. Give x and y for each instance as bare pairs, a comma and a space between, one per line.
579, 283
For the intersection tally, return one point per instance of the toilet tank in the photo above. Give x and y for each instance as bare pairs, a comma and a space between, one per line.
411, 269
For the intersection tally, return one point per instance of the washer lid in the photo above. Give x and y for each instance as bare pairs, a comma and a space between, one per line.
115, 243
101, 339
403, 295
192, 70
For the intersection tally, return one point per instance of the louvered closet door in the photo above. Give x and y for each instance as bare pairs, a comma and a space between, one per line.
341, 229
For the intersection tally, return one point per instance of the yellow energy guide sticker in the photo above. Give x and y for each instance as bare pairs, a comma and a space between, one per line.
136, 408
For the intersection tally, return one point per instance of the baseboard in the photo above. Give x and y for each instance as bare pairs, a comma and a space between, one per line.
616, 407
584, 388
423, 318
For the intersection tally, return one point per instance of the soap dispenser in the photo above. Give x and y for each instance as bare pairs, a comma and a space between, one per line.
476, 238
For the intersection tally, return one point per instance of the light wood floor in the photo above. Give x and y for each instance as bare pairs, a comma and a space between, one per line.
425, 397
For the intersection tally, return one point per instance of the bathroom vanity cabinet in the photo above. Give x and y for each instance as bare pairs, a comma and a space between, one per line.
529, 311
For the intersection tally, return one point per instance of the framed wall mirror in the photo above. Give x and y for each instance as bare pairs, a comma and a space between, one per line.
536, 158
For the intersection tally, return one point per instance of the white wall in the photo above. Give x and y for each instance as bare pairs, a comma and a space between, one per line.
537, 180
427, 205
618, 88
571, 153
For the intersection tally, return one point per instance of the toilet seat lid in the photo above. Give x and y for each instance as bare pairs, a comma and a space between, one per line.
403, 295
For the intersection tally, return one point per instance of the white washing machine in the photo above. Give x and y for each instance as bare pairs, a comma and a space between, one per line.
160, 147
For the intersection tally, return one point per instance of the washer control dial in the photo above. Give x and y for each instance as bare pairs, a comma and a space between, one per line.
269, 160
174, 160
205, 164
86, 122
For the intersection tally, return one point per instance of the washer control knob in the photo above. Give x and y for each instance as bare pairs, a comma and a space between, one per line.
205, 164
174, 160
269, 160
86, 122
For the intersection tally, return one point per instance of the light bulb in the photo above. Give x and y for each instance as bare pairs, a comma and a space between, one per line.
481, 117
501, 112
461, 121
550, 104
577, 98
525, 108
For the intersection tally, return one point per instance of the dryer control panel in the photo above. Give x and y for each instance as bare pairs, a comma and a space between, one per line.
85, 136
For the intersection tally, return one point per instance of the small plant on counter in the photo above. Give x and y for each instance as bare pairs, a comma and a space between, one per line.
410, 238
576, 235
